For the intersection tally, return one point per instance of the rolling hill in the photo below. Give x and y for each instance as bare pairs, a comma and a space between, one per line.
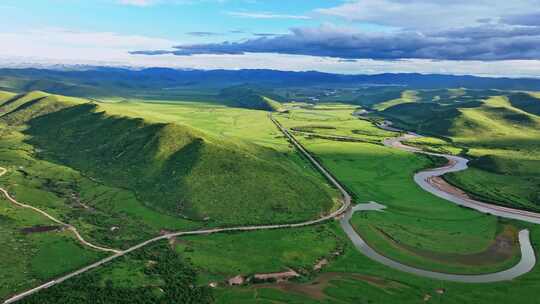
251, 98
91, 81
501, 134
172, 168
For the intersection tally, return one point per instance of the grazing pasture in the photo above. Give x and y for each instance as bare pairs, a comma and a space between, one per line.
416, 228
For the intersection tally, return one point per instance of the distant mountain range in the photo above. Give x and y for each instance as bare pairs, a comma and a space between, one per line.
101, 80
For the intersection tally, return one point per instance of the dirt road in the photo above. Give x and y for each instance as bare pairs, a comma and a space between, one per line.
52, 218
346, 202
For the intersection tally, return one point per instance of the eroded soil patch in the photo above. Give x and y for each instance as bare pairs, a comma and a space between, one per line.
315, 289
40, 229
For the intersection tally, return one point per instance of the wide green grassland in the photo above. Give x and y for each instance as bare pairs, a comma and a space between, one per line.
28, 258
354, 278
417, 228
350, 278
123, 176
222, 256
124, 170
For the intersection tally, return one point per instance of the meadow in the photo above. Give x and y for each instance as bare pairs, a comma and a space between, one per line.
353, 278
65, 156
28, 258
123, 170
350, 278
413, 217
416, 228
223, 256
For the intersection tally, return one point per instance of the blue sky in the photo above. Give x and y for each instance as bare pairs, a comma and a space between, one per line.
163, 19
482, 37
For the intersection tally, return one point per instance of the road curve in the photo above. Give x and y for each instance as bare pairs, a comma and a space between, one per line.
455, 164
526, 263
422, 178
52, 218
523, 266
346, 203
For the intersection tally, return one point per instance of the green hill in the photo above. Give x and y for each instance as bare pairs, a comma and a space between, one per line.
251, 98
406, 97
500, 133
5, 96
52, 85
21, 108
528, 102
172, 168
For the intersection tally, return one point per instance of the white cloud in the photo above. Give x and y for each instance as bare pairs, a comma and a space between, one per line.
59, 42
52, 46
58, 45
429, 14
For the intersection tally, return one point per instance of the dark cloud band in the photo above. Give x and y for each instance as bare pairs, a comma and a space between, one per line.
484, 42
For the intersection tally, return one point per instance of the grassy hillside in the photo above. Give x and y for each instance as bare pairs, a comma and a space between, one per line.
505, 144
407, 96
528, 102
251, 98
5, 96
500, 133
171, 168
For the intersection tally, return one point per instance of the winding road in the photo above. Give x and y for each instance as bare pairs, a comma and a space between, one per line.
423, 178
526, 263
346, 203
455, 164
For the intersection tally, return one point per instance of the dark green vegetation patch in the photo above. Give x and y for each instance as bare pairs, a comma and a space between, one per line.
154, 274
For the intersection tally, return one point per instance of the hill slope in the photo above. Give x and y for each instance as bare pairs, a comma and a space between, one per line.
250, 98
527, 102
172, 168
502, 136
5, 96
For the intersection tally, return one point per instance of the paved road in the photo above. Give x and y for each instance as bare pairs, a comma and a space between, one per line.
523, 266
455, 164
346, 203
526, 264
